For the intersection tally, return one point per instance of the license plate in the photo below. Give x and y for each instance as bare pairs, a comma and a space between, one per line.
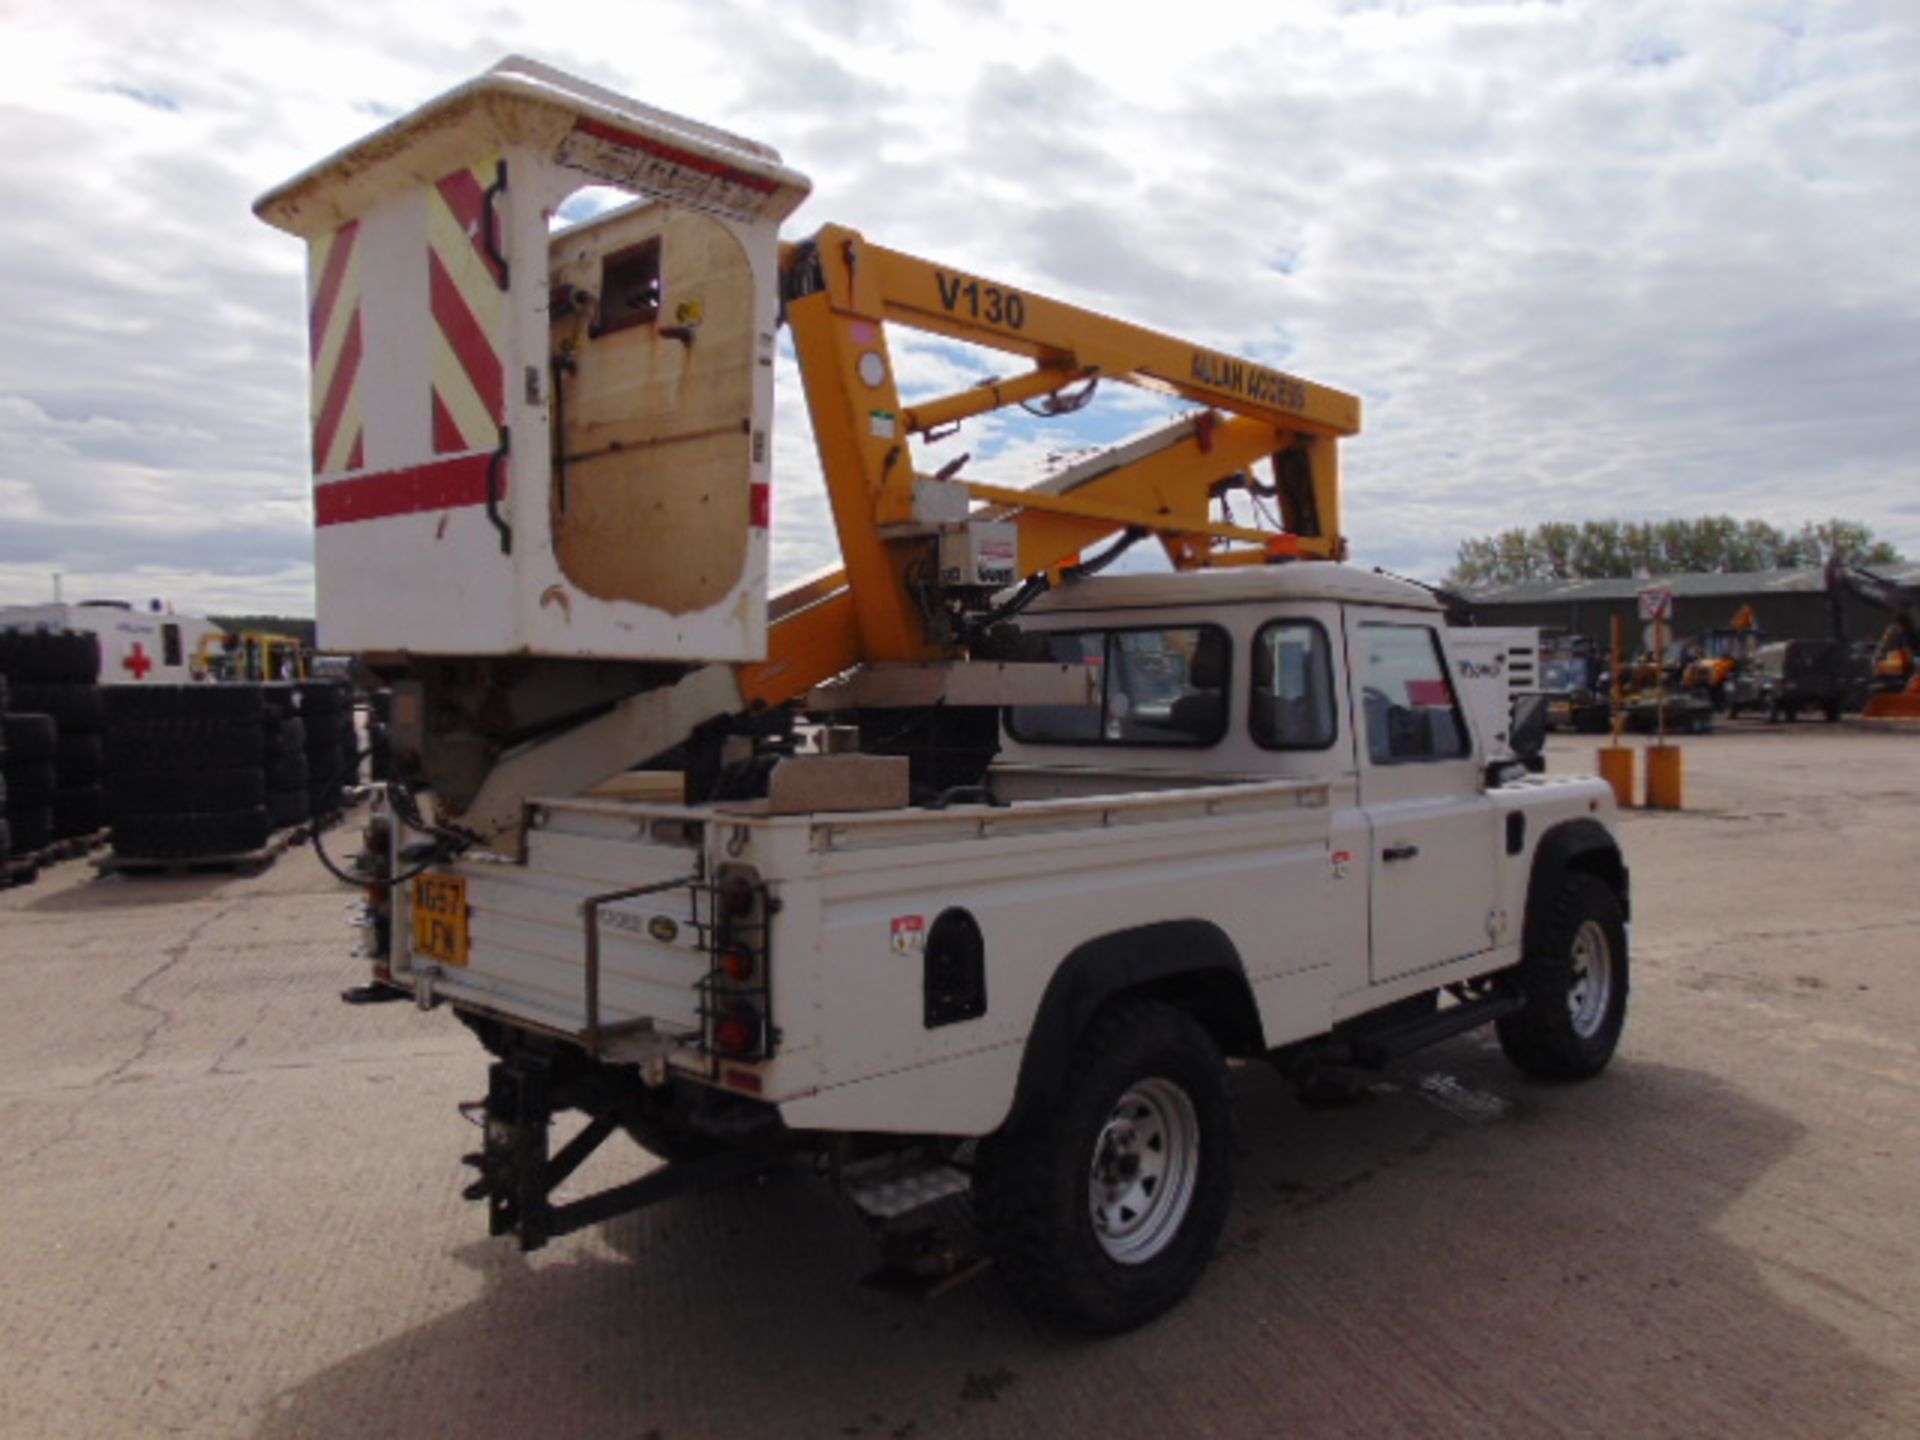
440, 918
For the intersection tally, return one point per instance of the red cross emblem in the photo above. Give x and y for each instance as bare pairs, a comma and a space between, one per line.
139, 662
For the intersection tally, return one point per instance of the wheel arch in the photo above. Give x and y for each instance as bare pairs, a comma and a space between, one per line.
1191, 965
1579, 846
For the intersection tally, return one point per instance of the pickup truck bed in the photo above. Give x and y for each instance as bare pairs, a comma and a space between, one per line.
855, 895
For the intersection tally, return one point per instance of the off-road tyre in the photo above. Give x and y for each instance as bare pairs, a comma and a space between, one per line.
166, 701
79, 812
1575, 980
30, 783
286, 737
322, 697
190, 836
287, 808
32, 828
175, 792
76, 709
1034, 1181
31, 738
181, 742
79, 760
280, 699
289, 772
62, 657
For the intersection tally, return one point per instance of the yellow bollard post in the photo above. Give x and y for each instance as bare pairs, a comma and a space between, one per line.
1617, 769
1666, 778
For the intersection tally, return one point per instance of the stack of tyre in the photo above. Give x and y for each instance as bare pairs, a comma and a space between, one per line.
77, 710
289, 778
326, 708
186, 770
6, 827
51, 734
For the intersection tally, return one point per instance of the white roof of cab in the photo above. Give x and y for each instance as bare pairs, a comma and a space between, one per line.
1300, 580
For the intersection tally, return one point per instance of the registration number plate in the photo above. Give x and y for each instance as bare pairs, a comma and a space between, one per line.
440, 919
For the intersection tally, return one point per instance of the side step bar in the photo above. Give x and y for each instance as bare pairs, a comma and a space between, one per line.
1382, 1046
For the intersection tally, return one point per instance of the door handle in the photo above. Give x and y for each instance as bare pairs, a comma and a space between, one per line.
1399, 852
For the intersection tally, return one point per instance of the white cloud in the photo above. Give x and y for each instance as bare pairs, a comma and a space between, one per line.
1578, 259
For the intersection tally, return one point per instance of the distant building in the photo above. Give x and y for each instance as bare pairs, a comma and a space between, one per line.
1787, 604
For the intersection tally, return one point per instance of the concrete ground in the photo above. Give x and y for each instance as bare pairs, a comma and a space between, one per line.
229, 1204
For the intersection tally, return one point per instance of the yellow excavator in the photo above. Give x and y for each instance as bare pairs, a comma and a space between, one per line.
1895, 681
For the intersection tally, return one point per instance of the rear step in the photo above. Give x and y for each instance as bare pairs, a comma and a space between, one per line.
925, 1248
892, 1186
1379, 1047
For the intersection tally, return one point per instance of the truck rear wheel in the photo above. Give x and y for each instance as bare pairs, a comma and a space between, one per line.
1575, 982
1103, 1210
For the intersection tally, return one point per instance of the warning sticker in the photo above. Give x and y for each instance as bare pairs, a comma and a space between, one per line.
909, 934
883, 424
642, 163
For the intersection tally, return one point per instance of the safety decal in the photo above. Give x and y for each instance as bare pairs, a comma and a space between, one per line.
466, 280
883, 424
442, 485
647, 165
1341, 860
333, 339
909, 934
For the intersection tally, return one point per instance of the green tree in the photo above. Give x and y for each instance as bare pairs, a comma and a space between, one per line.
1618, 549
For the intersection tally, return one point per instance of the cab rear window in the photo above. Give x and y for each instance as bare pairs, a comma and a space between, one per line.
1165, 685
1292, 703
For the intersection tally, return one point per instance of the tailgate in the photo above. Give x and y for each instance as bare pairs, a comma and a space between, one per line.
515, 939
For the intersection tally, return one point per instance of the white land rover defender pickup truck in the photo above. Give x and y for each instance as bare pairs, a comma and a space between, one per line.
1276, 834
980, 869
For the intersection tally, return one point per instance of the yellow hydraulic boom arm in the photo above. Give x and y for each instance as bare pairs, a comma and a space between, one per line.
842, 293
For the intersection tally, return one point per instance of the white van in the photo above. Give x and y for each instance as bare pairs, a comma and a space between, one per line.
135, 645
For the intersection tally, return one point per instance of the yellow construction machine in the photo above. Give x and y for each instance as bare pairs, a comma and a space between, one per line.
1895, 681
253, 655
1714, 659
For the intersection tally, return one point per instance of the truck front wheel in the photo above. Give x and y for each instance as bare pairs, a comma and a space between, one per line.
1103, 1209
1575, 982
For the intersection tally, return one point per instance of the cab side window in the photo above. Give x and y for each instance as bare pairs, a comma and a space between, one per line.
1159, 685
1406, 697
1292, 706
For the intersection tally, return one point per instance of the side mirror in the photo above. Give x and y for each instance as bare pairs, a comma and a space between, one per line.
1527, 734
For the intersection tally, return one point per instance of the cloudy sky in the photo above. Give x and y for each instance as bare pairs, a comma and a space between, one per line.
1579, 259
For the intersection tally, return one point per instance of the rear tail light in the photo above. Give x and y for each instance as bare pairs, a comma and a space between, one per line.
736, 997
737, 1032
737, 893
